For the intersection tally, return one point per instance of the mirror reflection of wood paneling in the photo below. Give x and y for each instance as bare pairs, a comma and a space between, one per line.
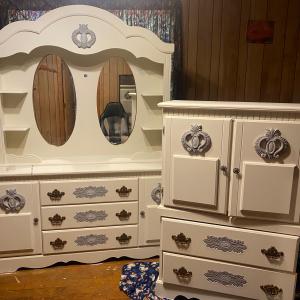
54, 100
108, 84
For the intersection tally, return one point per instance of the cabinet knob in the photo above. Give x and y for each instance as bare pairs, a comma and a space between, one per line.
223, 168
142, 214
35, 221
236, 171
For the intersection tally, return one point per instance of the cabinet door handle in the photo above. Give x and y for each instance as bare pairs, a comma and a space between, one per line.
223, 169
236, 171
56, 219
35, 221
58, 244
123, 215
271, 290
55, 195
123, 191
183, 273
272, 253
181, 240
123, 239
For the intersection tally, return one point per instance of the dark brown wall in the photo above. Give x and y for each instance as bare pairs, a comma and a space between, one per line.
219, 64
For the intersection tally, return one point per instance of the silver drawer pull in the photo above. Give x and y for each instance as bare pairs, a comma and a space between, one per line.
183, 273
271, 290
181, 240
272, 253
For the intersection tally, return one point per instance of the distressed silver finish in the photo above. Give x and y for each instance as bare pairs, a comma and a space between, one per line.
225, 278
83, 37
196, 141
12, 202
272, 145
91, 240
90, 192
90, 216
156, 194
225, 244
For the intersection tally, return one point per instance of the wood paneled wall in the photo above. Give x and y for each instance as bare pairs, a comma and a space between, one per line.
219, 64
54, 100
108, 85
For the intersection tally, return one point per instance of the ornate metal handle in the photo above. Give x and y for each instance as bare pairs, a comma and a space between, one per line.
58, 244
56, 219
271, 290
123, 239
272, 253
55, 195
123, 215
123, 191
181, 240
236, 171
183, 273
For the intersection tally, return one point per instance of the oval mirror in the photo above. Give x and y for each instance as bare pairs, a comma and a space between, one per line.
54, 100
116, 100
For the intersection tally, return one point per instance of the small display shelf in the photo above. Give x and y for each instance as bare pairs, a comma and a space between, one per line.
12, 92
151, 128
16, 129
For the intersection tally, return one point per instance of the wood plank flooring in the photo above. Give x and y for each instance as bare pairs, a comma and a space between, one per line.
65, 282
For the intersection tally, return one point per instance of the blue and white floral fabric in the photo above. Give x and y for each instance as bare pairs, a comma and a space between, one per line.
138, 280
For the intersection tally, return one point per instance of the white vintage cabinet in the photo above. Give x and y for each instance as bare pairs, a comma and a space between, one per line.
88, 199
230, 226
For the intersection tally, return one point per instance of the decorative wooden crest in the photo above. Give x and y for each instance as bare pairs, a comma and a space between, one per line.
196, 141
272, 145
83, 37
12, 202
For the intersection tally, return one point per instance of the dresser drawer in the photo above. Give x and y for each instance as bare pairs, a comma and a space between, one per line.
88, 239
230, 244
89, 215
227, 278
88, 191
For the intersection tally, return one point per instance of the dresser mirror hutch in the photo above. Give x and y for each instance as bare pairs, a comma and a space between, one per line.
80, 138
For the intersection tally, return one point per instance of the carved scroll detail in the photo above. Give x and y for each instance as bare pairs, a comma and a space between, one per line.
12, 202
90, 216
225, 278
156, 194
91, 240
225, 244
90, 192
83, 37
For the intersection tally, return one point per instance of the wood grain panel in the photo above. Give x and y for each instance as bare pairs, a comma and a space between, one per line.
108, 84
219, 64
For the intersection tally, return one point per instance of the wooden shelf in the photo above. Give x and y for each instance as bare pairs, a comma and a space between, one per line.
16, 128
10, 92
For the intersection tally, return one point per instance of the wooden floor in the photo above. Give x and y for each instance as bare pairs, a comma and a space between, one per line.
65, 282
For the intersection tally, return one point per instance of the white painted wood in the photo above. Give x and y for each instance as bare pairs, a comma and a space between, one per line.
72, 195
15, 128
71, 235
267, 188
19, 235
227, 106
41, 261
205, 185
241, 246
72, 215
253, 278
149, 216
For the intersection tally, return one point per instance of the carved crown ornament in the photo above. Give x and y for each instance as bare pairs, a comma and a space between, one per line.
12, 202
271, 145
83, 37
196, 141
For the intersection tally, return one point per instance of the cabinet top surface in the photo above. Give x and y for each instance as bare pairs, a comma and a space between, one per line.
233, 106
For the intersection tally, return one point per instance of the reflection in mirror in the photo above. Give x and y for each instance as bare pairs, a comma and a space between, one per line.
54, 100
116, 100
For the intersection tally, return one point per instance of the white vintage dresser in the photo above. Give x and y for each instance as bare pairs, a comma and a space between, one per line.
230, 210
88, 199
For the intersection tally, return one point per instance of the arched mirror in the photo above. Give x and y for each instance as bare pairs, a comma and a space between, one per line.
116, 100
54, 100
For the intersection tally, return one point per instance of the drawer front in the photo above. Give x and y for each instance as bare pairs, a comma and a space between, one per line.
88, 191
257, 248
78, 240
89, 215
227, 278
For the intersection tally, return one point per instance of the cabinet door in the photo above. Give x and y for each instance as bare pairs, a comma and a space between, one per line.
20, 229
265, 170
197, 161
149, 200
